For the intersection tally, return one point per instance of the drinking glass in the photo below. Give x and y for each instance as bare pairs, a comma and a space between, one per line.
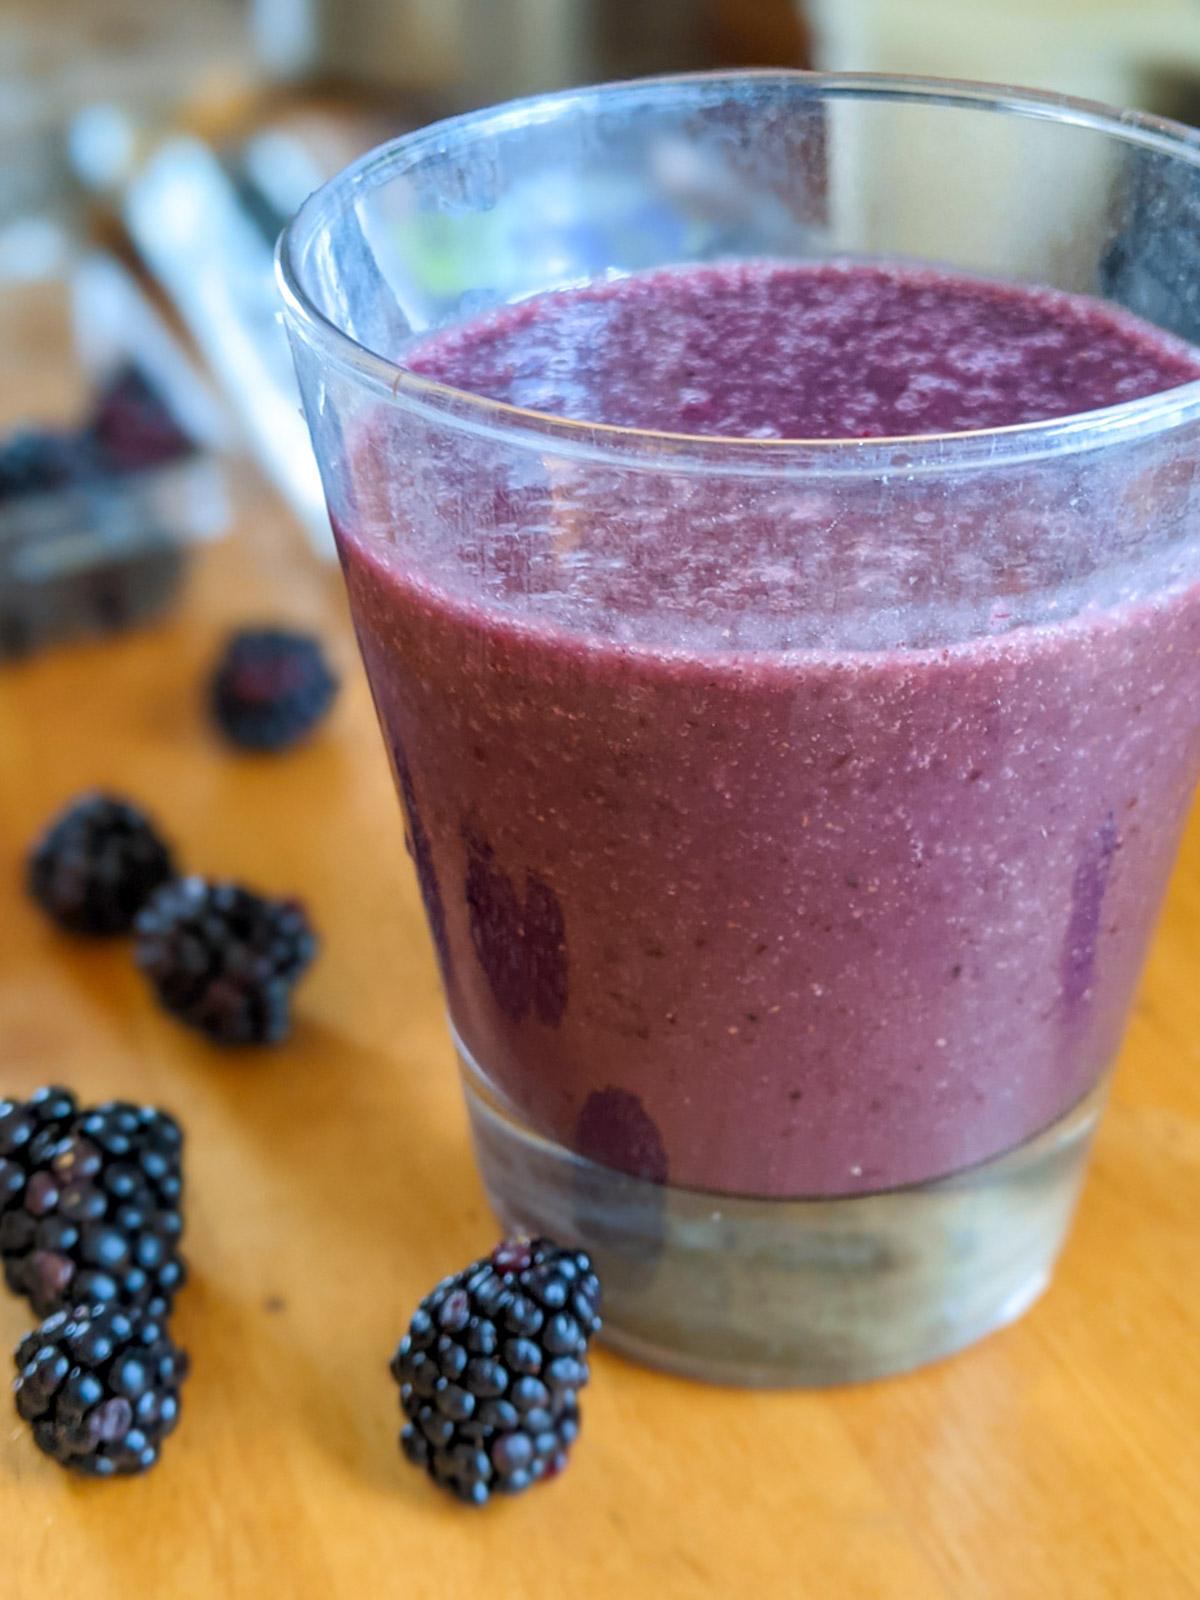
788, 908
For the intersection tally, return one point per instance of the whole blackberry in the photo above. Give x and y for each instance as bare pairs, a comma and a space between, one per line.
38, 461
224, 959
133, 427
98, 1220
100, 1387
491, 1368
270, 688
96, 864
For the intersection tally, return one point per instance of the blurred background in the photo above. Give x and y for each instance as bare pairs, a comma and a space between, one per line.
150, 151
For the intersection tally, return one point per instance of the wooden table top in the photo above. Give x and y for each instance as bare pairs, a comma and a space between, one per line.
330, 1183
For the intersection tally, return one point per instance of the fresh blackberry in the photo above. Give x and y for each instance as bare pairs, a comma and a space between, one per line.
133, 428
96, 865
224, 959
98, 1220
29, 1133
270, 688
491, 1368
37, 461
100, 1387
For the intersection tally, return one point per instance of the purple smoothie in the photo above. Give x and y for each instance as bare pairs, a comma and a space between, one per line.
715, 902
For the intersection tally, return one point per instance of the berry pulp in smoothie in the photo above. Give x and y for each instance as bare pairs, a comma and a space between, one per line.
802, 839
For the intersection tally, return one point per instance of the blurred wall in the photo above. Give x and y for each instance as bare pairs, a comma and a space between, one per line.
1143, 53
487, 50
1124, 52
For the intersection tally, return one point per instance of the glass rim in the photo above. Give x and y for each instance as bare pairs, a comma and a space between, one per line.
466, 411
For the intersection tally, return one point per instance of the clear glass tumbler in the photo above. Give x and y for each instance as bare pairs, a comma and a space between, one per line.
788, 910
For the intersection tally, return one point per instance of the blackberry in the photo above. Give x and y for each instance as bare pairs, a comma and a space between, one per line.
491, 1368
98, 1218
223, 959
271, 687
29, 1132
100, 1387
36, 462
96, 864
133, 428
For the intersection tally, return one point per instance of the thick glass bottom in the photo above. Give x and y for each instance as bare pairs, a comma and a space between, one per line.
808, 1292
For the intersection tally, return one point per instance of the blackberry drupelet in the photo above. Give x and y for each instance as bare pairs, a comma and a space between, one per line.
29, 1133
224, 959
96, 865
491, 1368
271, 688
98, 1218
100, 1387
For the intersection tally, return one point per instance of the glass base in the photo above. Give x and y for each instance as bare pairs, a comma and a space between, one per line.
777, 1292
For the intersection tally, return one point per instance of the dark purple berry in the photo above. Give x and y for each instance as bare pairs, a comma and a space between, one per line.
100, 1388
96, 865
96, 1227
133, 428
481, 1420
224, 959
271, 688
38, 462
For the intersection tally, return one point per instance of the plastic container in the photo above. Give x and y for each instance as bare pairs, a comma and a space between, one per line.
108, 549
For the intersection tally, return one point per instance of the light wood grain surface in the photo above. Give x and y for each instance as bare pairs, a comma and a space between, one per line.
330, 1183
